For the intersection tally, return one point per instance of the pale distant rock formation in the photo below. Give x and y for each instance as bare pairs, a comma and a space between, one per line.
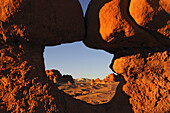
57, 77
82, 80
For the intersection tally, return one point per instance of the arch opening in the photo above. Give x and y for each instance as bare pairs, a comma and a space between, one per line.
81, 72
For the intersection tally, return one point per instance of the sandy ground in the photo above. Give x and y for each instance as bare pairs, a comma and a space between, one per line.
96, 94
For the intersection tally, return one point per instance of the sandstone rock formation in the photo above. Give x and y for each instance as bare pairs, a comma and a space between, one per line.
42, 22
141, 52
97, 80
109, 79
26, 26
57, 77
53, 75
110, 27
137, 33
66, 78
152, 15
92, 82
147, 79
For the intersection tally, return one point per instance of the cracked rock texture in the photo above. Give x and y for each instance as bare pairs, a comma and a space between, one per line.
147, 76
140, 47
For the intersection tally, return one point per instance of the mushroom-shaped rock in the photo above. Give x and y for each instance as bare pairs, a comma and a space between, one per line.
45, 22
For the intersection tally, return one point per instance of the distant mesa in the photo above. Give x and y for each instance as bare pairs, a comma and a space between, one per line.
82, 80
108, 79
57, 77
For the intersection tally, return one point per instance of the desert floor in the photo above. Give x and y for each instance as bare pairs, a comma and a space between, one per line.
93, 94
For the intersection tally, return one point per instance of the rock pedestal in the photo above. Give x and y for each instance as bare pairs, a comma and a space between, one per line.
92, 82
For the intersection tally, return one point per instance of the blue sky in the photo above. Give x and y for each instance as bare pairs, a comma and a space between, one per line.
78, 60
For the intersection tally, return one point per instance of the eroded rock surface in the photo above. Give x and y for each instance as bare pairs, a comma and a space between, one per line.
137, 33
111, 27
43, 22
142, 54
147, 76
26, 26
152, 15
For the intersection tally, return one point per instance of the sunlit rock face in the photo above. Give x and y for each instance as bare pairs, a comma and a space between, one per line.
153, 15
141, 53
112, 27
147, 76
137, 33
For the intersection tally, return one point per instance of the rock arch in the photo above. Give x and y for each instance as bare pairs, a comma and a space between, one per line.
141, 53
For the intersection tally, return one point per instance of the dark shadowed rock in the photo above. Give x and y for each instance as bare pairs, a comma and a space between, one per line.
53, 75
45, 22
57, 77
66, 78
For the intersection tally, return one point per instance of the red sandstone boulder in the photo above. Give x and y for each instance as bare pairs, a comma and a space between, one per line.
43, 22
26, 26
110, 27
152, 15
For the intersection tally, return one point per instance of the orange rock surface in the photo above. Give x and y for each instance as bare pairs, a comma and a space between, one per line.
140, 47
97, 80
109, 78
